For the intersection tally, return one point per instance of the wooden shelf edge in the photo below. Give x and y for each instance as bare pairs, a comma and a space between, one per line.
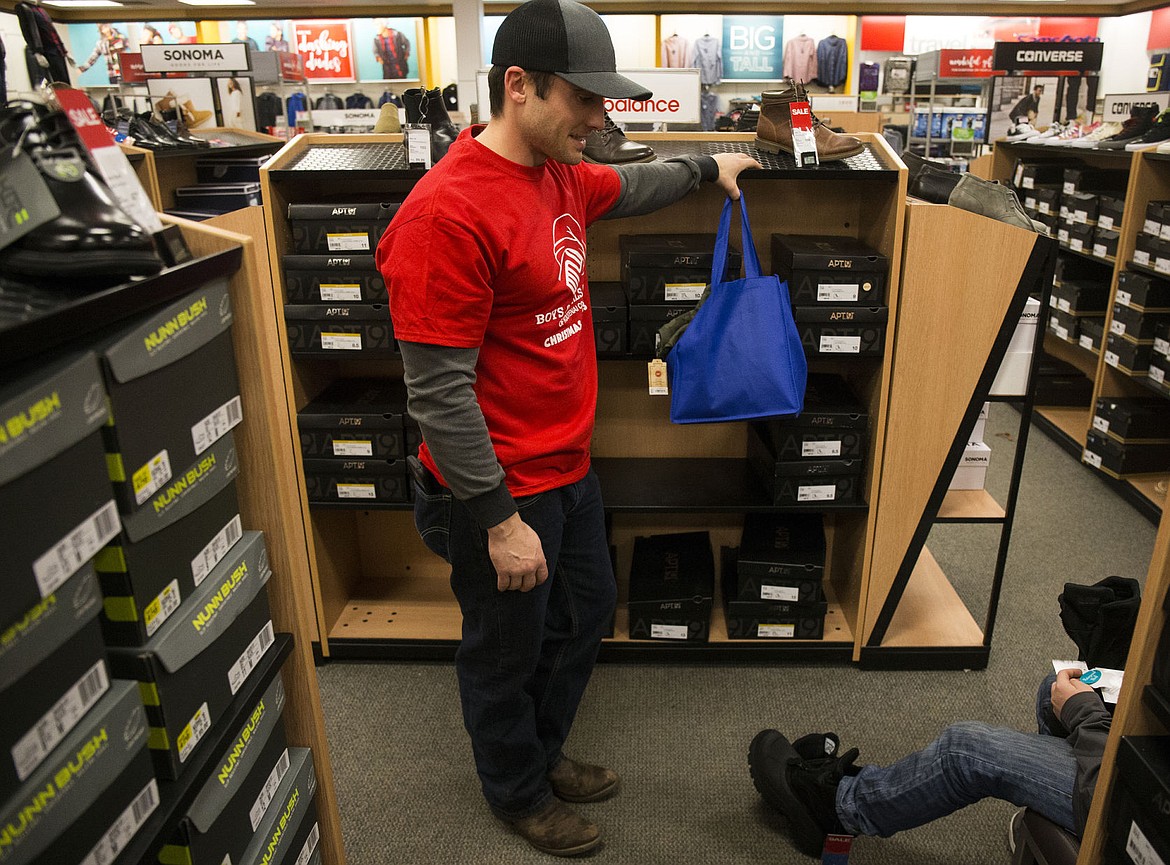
931, 613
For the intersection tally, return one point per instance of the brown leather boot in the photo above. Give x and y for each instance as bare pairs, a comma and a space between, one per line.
609, 146
774, 130
581, 782
558, 831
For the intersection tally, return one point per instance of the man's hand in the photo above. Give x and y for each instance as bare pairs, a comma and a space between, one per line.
518, 557
730, 165
1068, 682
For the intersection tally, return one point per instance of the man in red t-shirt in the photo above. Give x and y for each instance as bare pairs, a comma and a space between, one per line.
485, 266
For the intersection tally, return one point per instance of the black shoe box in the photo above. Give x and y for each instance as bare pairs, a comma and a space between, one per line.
830, 269
1030, 175
1140, 795
645, 320
1140, 291
160, 426
1157, 216
218, 197
1063, 325
144, 582
1080, 207
356, 481
1080, 297
1110, 210
1085, 179
781, 545
53, 806
1063, 389
360, 418
1047, 198
189, 672
54, 487
305, 848
1092, 332
235, 169
803, 484
829, 405
340, 330
841, 331
344, 227
768, 620
1105, 242
672, 585
611, 319
1131, 358
670, 268
287, 825
1080, 238
1120, 459
332, 279
1135, 324
806, 588
47, 700
1050, 222
1158, 374
1152, 253
1132, 418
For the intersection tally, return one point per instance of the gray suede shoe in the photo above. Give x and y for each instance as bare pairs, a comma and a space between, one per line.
990, 199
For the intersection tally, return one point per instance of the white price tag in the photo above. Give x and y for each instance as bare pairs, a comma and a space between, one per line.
1061, 331
32, 748
348, 241
1161, 346
127, 188
1069, 187
418, 144
676, 291
821, 449
1086, 342
840, 345
816, 493
125, 827
1018, 177
256, 812
773, 631
1100, 251
1105, 223
1062, 235
216, 549
656, 374
1028, 182
1123, 297
1162, 265
789, 594
1157, 374
246, 663
1081, 217
1152, 228
1091, 458
1100, 424
1141, 257
353, 448
1030, 202
1139, 848
341, 341
310, 845
1117, 327
195, 730
843, 293
1076, 244
1063, 305
356, 491
160, 609
61, 561
212, 428
1112, 358
151, 477
1044, 208
668, 632
341, 291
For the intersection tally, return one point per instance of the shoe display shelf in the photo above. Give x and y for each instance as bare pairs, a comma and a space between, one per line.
945, 363
175, 167
379, 592
933, 94
56, 323
146, 169
1068, 426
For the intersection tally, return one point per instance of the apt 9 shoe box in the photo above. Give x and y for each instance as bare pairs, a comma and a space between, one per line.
1137, 821
672, 585
332, 279
189, 672
667, 269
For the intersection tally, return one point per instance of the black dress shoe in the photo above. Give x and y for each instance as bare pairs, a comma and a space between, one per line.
92, 236
609, 146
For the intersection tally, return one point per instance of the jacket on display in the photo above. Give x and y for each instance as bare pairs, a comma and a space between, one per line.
358, 100
832, 61
675, 51
707, 56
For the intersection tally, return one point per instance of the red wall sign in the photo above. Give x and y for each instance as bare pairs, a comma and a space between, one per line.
326, 46
965, 63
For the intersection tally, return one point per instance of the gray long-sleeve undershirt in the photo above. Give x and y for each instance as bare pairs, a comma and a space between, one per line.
440, 379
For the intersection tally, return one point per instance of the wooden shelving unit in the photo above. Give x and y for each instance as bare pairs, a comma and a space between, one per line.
176, 167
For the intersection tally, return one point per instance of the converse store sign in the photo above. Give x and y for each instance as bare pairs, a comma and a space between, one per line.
675, 99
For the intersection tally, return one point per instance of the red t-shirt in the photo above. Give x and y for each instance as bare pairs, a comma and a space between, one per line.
491, 254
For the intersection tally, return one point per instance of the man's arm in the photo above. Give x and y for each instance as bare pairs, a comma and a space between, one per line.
1085, 716
650, 186
439, 382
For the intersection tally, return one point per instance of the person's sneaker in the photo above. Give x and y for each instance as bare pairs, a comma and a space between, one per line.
991, 199
1014, 824
803, 789
558, 830
1050, 131
609, 146
1103, 131
1071, 132
1141, 121
1021, 132
1158, 133
581, 782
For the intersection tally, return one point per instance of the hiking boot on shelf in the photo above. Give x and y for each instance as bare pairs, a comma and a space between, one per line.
1140, 121
774, 129
1157, 133
609, 146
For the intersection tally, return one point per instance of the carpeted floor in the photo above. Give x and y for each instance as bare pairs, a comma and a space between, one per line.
408, 792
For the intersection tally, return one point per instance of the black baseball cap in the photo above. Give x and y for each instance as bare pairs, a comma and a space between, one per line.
568, 39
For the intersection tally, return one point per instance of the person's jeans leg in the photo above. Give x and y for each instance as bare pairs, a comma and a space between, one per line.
968, 762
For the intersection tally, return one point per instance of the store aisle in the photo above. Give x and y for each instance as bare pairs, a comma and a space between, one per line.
679, 735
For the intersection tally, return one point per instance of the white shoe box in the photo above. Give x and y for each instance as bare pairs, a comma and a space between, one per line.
976, 434
1012, 378
972, 471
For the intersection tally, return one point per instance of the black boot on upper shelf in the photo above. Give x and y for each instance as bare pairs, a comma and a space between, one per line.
92, 240
427, 106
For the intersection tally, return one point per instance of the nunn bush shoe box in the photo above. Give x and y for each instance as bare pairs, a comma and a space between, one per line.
191, 669
161, 424
672, 584
54, 491
291, 806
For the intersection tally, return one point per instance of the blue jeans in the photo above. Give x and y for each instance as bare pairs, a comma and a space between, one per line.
970, 761
525, 657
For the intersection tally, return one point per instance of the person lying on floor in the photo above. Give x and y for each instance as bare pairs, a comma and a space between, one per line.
821, 791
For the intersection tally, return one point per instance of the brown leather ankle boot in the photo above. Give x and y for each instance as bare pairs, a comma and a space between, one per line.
774, 129
558, 831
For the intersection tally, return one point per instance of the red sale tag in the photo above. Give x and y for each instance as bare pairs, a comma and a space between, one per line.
801, 116
804, 140
77, 107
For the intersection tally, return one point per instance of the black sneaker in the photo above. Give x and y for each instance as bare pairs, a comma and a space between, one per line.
1141, 121
1158, 133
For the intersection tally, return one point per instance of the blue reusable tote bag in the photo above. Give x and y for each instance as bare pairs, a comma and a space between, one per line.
740, 358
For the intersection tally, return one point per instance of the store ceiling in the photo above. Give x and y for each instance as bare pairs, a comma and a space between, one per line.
140, 10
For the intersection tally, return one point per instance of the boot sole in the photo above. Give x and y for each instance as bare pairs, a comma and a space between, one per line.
774, 147
575, 850
596, 796
773, 787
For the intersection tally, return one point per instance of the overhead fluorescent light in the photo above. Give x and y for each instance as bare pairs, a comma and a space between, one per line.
219, 2
82, 4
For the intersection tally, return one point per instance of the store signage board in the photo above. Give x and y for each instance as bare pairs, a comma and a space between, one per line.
324, 117
213, 57
1048, 56
752, 47
675, 97
326, 47
292, 67
965, 63
1118, 106
833, 103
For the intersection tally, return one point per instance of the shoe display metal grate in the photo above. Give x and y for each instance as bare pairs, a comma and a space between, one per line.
351, 157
